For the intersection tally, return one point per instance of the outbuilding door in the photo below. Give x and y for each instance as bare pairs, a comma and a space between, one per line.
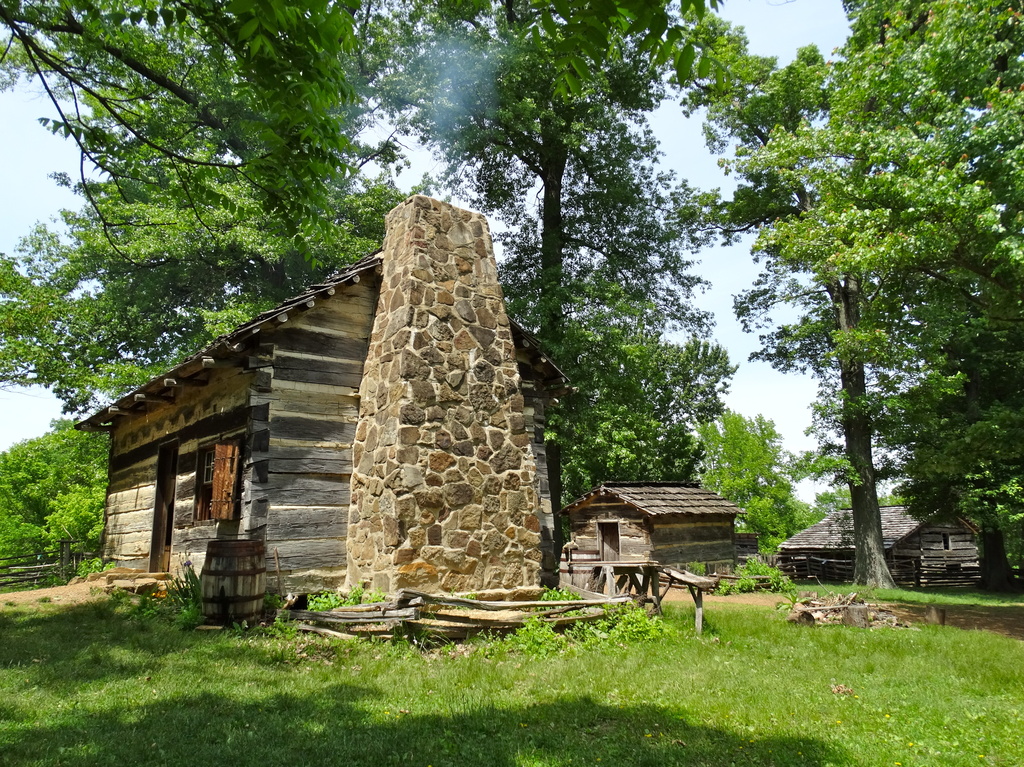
608, 536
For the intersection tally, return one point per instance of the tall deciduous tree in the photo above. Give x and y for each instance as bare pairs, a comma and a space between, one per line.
832, 334
594, 266
249, 91
917, 174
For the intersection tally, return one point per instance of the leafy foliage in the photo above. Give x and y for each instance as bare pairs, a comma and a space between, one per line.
108, 306
328, 600
623, 626
595, 267
777, 581
558, 595
198, 95
52, 488
917, 193
744, 461
835, 334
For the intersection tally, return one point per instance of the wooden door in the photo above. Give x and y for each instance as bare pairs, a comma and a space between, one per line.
608, 533
163, 509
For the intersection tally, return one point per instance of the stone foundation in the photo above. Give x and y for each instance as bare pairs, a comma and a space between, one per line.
444, 483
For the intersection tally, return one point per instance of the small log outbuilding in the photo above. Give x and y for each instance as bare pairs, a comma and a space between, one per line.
665, 523
384, 428
918, 553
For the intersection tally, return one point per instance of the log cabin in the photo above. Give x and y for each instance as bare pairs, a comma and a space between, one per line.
930, 553
384, 428
666, 523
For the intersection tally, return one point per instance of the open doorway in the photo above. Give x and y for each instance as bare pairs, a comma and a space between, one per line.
163, 508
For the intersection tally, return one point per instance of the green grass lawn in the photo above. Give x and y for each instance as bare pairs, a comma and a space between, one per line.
87, 685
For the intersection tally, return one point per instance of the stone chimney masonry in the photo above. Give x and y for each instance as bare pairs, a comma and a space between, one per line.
444, 484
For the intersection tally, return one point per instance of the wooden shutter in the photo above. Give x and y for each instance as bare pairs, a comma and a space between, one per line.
225, 480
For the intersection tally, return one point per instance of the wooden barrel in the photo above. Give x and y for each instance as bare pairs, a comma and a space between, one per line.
234, 579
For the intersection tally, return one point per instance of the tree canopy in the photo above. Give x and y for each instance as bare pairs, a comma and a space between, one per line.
884, 210
592, 262
52, 488
254, 92
104, 307
745, 462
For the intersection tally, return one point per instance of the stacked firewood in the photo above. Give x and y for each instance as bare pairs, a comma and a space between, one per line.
446, 616
845, 609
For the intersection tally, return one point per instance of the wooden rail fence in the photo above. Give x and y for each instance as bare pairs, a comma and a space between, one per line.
30, 570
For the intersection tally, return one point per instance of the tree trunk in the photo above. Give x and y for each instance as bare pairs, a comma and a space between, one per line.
552, 253
870, 568
996, 574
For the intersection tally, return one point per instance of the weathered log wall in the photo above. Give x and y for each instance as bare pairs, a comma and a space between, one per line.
301, 452
535, 416
675, 540
197, 416
919, 559
634, 532
683, 538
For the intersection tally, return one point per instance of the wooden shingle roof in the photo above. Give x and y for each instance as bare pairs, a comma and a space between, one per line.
835, 531
237, 342
658, 498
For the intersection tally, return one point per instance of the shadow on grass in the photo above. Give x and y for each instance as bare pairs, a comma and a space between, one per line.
260, 719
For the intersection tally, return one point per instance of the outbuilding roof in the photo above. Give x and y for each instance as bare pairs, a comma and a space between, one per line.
835, 531
658, 498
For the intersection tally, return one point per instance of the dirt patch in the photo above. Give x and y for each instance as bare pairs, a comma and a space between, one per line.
1007, 620
65, 595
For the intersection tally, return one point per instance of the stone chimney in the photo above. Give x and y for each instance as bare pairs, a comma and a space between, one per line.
444, 487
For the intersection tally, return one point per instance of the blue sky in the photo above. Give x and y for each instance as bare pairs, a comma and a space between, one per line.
774, 27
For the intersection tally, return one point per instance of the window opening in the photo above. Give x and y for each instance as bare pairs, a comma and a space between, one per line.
217, 476
945, 541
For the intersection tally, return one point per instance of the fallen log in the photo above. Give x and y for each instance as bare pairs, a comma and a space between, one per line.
390, 616
325, 632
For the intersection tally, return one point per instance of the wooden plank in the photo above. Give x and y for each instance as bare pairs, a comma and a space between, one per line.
317, 371
308, 553
325, 632
226, 463
382, 616
312, 429
305, 490
698, 615
308, 522
140, 521
309, 460
340, 406
307, 340
452, 601
127, 545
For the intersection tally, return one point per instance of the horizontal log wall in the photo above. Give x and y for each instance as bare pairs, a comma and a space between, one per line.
536, 420
301, 442
680, 539
634, 536
675, 540
198, 416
